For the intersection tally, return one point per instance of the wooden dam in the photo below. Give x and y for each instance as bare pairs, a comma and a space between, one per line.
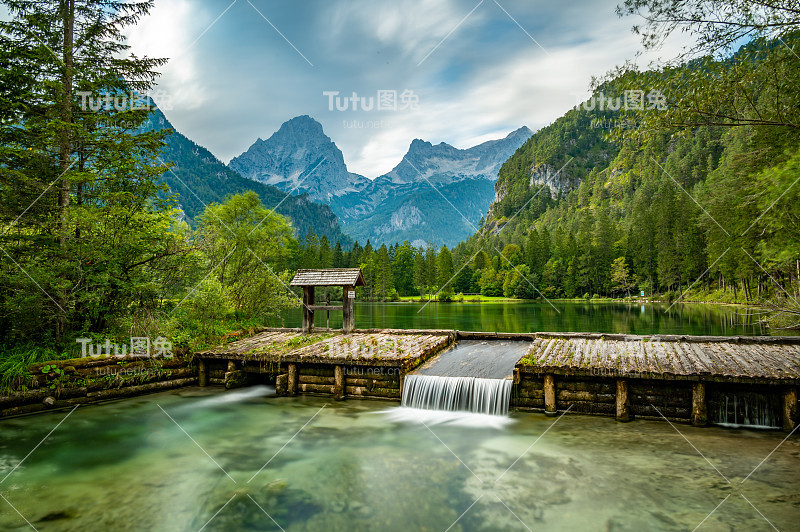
750, 381
698, 380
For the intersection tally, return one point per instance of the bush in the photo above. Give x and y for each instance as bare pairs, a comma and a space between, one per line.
16, 361
392, 295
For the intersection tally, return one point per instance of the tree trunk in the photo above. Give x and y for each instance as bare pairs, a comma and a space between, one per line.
65, 141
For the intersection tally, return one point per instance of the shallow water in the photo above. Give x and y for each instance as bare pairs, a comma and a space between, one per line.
558, 316
371, 465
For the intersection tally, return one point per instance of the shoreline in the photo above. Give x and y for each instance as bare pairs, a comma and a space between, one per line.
495, 299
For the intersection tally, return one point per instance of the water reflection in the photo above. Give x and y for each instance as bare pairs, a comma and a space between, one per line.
604, 317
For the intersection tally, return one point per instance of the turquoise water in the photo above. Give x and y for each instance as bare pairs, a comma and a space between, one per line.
370, 465
605, 317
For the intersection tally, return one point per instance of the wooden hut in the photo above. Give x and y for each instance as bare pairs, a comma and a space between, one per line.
347, 278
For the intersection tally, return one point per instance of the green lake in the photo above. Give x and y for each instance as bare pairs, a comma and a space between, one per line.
560, 316
250, 461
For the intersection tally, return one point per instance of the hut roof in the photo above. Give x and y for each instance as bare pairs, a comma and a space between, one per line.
329, 277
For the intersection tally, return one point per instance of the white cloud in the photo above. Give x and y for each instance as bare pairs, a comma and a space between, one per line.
414, 27
528, 88
171, 30
240, 80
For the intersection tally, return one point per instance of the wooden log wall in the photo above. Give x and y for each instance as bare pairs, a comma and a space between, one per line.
341, 381
628, 399
91, 380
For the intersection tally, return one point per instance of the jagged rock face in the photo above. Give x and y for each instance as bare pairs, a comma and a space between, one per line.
442, 163
548, 175
299, 158
404, 218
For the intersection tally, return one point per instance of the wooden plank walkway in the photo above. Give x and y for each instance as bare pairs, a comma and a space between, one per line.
738, 359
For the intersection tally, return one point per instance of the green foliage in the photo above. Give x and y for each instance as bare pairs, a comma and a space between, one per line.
701, 206
16, 361
85, 235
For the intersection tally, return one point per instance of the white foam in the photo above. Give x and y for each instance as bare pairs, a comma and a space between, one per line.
421, 416
236, 396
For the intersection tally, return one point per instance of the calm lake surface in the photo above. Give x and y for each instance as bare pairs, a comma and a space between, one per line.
606, 317
372, 465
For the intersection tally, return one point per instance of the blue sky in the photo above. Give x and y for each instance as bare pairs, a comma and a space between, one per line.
239, 69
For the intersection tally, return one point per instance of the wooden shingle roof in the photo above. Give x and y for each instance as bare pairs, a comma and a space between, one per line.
329, 277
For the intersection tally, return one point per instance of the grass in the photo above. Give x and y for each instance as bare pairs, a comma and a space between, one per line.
15, 364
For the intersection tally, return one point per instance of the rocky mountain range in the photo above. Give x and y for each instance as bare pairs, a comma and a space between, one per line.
436, 193
199, 178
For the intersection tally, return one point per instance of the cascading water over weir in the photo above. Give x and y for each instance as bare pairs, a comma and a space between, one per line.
457, 394
471, 377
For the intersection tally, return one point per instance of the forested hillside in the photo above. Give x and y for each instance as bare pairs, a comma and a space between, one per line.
645, 204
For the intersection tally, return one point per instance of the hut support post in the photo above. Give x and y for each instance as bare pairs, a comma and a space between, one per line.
550, 395
699, 405
348, 309
790, 409
308, 314
338, 378
202, 373
291, 385
623, 405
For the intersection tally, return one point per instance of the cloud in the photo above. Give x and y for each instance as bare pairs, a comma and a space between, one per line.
159, 35
483, 76
411, 28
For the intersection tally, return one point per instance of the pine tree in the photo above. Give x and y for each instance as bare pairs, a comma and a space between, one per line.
91, 245
444, 274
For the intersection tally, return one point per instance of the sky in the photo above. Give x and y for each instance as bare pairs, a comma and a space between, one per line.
470, 70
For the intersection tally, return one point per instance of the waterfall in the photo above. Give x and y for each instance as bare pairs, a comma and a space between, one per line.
464, 394
749, 410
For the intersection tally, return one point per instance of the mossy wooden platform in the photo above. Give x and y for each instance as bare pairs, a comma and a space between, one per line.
369, 362
756, 360
683, 378
371, 346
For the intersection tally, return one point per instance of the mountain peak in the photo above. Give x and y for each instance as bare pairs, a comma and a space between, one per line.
299, 158
524, 131
302, 125
417, 144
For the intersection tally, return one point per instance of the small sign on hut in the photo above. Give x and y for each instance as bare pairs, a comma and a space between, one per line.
347, 278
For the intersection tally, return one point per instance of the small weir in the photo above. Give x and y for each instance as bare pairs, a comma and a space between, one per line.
457, 394
473, 376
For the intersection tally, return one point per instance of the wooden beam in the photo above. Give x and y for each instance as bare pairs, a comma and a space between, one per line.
291, 384
699, 405
308, 312
339, 385
790, 408
326, 307
348, 310
623, 404
550, 395
202, 373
